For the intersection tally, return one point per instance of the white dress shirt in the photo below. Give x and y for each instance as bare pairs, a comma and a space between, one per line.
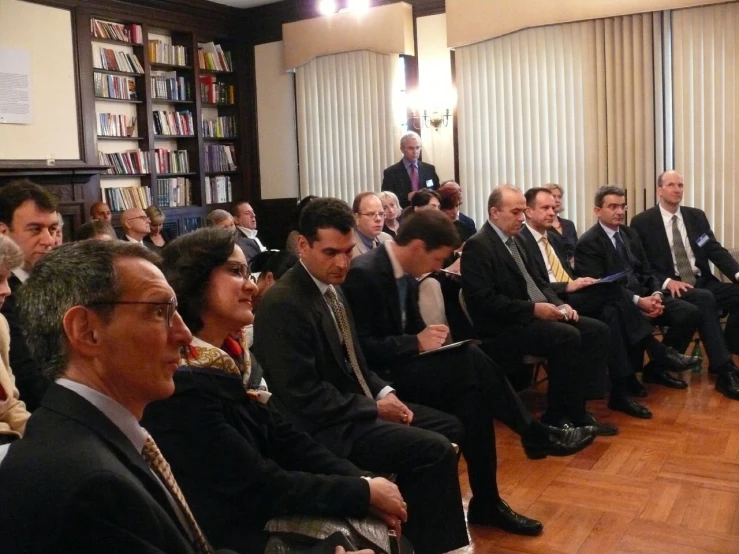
667, 220
540, 243
252, 234
22, 274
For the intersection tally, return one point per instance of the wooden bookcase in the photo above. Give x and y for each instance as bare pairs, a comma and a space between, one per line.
147, 101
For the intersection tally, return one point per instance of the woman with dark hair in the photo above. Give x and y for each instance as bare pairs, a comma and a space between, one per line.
237, 462
291, 245
451, 200
424, 199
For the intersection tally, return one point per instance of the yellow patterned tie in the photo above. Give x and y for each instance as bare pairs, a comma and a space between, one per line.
160, 467
340, 314
560, 275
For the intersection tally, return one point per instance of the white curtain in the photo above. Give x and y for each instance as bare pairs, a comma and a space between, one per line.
346, 130
706, 113
571, 104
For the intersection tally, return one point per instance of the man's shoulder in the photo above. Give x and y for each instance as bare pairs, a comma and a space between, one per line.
695, 213
424, 165
591, 234
645, 216
395, 167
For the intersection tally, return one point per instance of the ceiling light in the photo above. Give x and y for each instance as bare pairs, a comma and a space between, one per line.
357, 5
327, 7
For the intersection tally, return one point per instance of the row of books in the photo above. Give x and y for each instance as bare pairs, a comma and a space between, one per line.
220, 157
114, 86
215, 92
218, 189
116, 125
130, 162
161, 52
174, 192
171, 161
116, 31
222, 127
173, 123
170, 87
113, 60
124, 198
211, 56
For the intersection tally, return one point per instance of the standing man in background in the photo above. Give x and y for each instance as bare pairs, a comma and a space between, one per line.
410, 174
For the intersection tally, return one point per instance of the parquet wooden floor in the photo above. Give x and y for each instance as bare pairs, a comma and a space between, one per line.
669, 485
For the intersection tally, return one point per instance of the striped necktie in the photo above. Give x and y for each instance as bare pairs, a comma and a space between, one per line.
160, 467
560, 275
684, 268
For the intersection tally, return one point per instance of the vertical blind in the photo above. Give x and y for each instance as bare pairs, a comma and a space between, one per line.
705, 78
347, 133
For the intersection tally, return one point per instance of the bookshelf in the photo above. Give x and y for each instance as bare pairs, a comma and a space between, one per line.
174, 103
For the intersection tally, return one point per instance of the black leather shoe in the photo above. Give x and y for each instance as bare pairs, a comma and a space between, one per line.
728, 384
558, 421
629, 406
499, 514
636, 389
674, 361
658, 376
554, 441
601, 429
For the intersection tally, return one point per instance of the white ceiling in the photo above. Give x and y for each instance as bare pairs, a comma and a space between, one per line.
244, 3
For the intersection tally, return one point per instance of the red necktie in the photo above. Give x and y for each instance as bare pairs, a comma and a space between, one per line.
414, 178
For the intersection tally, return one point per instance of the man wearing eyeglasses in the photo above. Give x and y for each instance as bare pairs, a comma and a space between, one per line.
87, 478
246, 229
369, 218
135, 224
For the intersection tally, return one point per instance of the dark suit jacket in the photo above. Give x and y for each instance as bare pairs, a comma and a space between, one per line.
240, 464
493, 286
298, 343
372, 292
536, 257
76, 484
595, 256
396, 179
29, 379
249, 246
651, 230
568, 239
465, 226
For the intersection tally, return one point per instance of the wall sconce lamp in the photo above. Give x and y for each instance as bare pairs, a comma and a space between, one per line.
435, 120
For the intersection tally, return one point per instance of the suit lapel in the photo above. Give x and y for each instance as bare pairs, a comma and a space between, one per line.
692, 232
526, 235
556, 246
659, 234
385, 268
502, 249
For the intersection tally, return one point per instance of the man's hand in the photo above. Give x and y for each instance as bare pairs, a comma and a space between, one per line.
387, 503
432, 337
677, 288
580, 283
391, 408
340, 550
570, 314
547, 312
651, 305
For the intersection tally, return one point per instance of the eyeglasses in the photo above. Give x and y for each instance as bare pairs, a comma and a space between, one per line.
146, 217
238, 269
374, 215
170, 307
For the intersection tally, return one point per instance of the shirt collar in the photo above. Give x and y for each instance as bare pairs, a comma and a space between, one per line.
120, 416
250, 233
398, 271
536, 234
500, 233
610, 232
366, 240
322, 287
22, 274
667, 216
407, 164
131, 239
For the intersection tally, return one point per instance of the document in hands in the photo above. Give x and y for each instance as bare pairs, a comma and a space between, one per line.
450, 346
613, 278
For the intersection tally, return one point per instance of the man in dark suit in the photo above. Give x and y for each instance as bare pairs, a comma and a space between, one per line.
517, 313
630, 330
87, 478
410, 174
682, 266
382, 289
28, 216
305, 338
610, 247
245, 220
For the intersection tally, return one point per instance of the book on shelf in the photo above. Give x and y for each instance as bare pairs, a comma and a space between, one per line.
116, 31
220, 157
116, 125
131, 162
211, 56
221, 127
169, 86
171, 161
213, 91
113, 60
124, 198
170, 54
174, 192
173, 123
114, 86
218, 189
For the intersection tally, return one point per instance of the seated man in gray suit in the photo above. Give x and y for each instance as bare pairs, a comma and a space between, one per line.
369, 217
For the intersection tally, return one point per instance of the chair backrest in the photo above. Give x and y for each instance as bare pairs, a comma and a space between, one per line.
463, 307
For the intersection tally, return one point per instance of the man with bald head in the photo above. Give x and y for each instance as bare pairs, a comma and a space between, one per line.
100, 211
680, 244
516, 313
135, 224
